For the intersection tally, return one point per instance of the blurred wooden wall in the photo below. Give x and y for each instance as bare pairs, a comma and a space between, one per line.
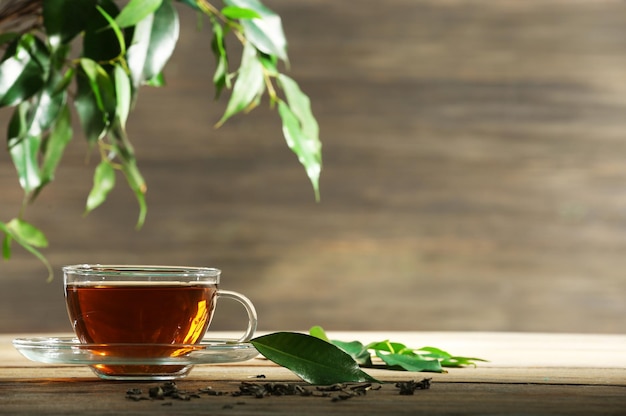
474, 175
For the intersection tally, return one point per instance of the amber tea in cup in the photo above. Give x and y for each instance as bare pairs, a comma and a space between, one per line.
144, 313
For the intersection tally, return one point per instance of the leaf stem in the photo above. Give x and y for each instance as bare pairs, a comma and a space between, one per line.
211, 10
271, 91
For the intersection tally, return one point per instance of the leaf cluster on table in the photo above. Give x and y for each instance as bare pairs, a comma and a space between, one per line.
318, 360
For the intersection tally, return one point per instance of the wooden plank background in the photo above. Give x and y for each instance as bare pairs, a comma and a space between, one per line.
474, 176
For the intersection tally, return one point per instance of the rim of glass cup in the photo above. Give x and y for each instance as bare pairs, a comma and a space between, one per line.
149, 272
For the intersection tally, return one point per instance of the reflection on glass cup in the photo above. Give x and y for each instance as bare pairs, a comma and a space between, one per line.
145, 312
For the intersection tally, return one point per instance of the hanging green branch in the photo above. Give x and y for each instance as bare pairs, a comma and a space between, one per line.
122, 49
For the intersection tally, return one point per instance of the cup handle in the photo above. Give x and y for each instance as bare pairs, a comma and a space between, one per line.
247, 304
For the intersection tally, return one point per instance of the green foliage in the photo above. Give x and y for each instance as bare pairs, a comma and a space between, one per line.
136, 11
103, 183
153, 43
265, 33
122, 49
395, 355
249, 85
233, 13
23, 69
64, 20
26, 235
312, 359
318, 360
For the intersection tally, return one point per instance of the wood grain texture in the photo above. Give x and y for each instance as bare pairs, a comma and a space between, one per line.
72, 397
529, 374
473, 176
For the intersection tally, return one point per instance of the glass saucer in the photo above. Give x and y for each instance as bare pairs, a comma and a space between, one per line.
124, 361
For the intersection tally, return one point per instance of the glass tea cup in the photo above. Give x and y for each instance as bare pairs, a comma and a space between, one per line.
144, 314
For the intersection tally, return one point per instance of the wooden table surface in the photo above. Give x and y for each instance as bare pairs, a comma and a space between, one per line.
527, 374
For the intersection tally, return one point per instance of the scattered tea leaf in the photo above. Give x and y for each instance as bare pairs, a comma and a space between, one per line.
388, 346
312, 359
318, 332
357, 351
396, 355
410, 362
408, 388
447, 359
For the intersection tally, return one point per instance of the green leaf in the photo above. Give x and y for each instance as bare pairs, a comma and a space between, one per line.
23, 232
447, 359
138, 185
234, 13
218, 46
265, 33
270, 63
248, 87
27, 130
312, 359
55, 144
64, 19
91, 118
300, 105
65, 80
24, 149
102, 87
11, 233
153, 43
436, 352
135, 11
301, 130
45, 109
95, 99
357, 351
27, 233
123, 94
103, 183
23, 70
460, 361
18, 125
392, 347
410, 362
307, 150
318, 332
126, 155
116, 30
156, 81
163, 39
24, 155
